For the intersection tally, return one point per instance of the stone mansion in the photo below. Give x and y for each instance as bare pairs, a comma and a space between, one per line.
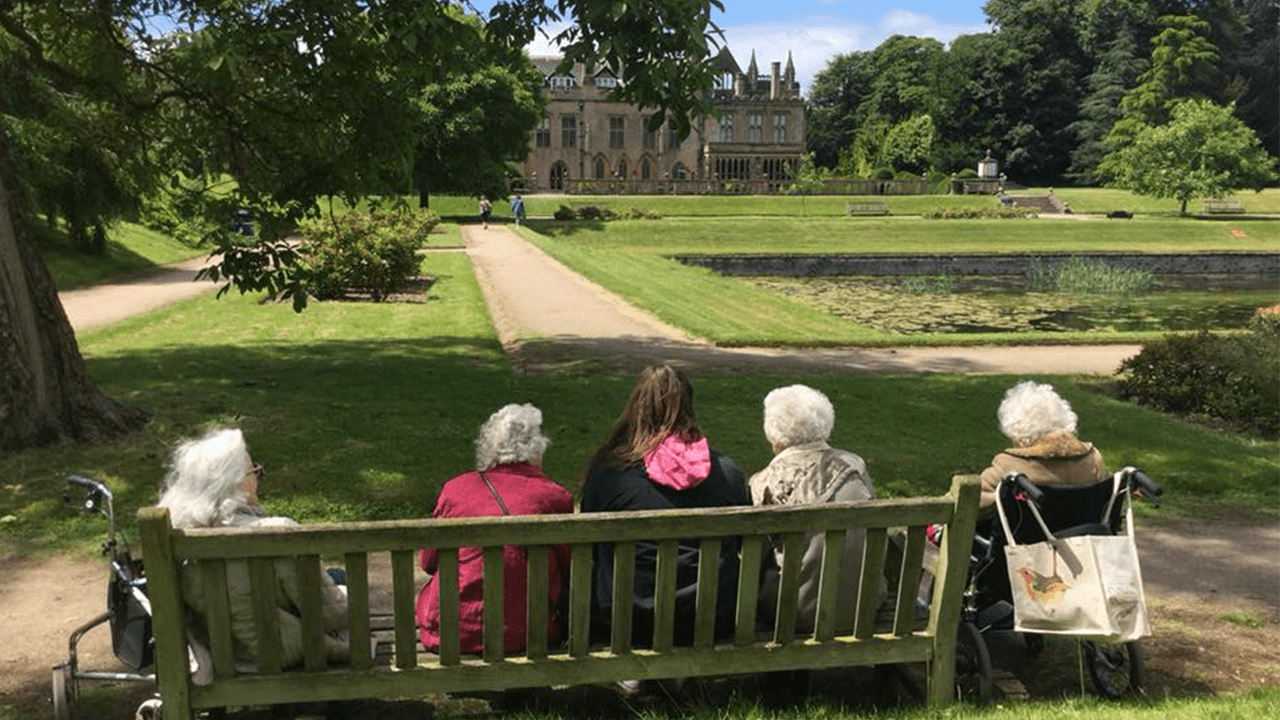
589, 144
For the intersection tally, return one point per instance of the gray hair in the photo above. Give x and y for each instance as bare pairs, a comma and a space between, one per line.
202, 487
1032, 410
797, 414
513, 434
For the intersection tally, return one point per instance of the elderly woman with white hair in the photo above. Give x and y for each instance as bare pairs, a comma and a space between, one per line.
797, 422
213, 482
1042, 429
508, 480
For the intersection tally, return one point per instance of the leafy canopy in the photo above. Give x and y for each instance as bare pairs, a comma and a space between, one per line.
1203, 151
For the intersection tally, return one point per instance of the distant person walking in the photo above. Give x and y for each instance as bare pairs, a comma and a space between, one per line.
517, 209
486, 209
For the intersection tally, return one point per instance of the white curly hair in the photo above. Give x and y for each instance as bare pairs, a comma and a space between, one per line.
202, 487
513, 434
797, 414
1032, 410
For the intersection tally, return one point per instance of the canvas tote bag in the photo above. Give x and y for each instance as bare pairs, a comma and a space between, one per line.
1089, 586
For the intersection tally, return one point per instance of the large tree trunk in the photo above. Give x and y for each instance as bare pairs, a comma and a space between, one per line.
46, 395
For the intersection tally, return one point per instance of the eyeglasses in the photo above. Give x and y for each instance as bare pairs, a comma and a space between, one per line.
257, 470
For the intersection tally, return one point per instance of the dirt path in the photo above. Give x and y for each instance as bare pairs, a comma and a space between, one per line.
111, 302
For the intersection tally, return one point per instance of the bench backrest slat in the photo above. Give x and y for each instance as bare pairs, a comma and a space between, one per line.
784, 626
403, 596
873, 562
494, 600
824, 625
580, 559
664, 596
213, 580
748, 589
538, 601
624, 581
708, 586
447, 581
909, 581
314, 649
357, 568
266, 615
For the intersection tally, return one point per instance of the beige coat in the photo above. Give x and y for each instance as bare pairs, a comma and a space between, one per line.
807, 474
244, 634
1057, 460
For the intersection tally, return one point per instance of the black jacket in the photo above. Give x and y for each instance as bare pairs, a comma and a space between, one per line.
629, 488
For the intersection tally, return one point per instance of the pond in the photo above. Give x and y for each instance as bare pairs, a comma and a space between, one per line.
1005, 303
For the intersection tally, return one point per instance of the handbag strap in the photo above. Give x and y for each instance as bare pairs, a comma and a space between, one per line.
496, 496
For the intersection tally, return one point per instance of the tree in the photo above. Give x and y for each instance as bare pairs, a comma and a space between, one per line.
1203, 151
292, 99
472, 125
833, 104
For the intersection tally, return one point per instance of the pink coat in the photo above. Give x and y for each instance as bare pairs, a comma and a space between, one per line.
526, 491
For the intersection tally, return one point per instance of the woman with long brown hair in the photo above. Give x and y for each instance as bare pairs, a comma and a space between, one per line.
657, 458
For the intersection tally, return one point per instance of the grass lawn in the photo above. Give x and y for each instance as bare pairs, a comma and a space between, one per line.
1081, 200
130, 248
362, 411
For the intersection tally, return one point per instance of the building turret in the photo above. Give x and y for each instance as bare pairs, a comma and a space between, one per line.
753, 73
789, 77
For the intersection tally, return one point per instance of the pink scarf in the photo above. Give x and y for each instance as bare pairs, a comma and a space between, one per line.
678, 464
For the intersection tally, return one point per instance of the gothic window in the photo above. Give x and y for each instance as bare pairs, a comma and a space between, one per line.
779, 127
648, 137
568, 131
617, 132
678, 172
755, 128
543, 137
673, 138
726, 128
602, 169
646, 170
622, 168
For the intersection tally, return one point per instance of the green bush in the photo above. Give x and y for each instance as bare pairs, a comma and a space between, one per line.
564, 212
1232, 380
374, 253
884, 173
599, 212
636, 213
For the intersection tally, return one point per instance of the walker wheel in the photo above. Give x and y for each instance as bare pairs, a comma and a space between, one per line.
63, 693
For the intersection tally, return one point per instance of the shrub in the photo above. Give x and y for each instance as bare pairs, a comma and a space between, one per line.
1225, 379
594, 212
945, 213
884, 173
374, 253
636, 213
564, 212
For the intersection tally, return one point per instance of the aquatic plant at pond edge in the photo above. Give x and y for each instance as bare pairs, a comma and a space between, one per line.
1085, 276
927, 285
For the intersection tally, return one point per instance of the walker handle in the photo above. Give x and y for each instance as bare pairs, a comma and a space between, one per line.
1033, 493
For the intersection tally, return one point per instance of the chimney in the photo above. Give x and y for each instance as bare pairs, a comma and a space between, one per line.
775, 79
738, 82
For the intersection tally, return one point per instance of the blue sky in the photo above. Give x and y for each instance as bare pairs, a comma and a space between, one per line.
815, 31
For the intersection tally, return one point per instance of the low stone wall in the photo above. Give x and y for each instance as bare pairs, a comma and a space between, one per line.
977, 264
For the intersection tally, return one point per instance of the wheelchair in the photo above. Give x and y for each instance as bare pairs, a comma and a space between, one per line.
128, 613
1098, 509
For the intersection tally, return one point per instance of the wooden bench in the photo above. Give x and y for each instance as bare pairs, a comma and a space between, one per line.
412, 673
865, 208
1224, 206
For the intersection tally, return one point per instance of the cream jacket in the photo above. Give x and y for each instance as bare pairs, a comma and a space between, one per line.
244, 633
806, 474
